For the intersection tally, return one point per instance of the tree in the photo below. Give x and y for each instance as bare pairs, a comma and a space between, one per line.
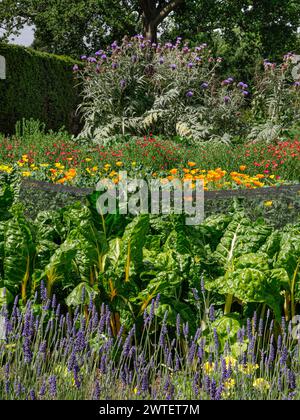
81, 26
154, 13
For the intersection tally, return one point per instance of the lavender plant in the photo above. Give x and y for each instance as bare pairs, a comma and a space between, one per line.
52, 356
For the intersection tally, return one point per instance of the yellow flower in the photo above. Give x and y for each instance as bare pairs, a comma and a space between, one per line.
230, 361
69, 159
268, 203
59, 166
248, 369
119, 164
192, 164
26, 174
261, 384
272, 176
208, 368
88, 160
135, 391
173, 171
6, 168
243, 168
229, 384
44, 165
133, 164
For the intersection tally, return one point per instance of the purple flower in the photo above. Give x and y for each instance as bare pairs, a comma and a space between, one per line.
195, 293
83, 57
230, 79
190, 93
227, 99
173, 66
178, 324
134, 59
52, 386
198, 59
297, 84
186, 50
190, 65
104, 57
92, 60
98, 53
161, 60
123, 84
75, 68
226, 82
114, 45
212, 313
245, 93
115, 66
204, 85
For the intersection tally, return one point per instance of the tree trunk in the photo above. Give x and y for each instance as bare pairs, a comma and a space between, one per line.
150, 30
154, 15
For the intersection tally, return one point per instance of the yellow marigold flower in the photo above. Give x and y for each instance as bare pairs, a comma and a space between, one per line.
248, 369
119, 164
26, 174
170, 177
59, 166
154, 174
258, 184
261, 384
208, 368
20, 164
268, 203
6, 168
69, 159
173, 171
44, 165
62, 181
272, 176
243, 168
260, 176
88, 160
192, 164
95, 168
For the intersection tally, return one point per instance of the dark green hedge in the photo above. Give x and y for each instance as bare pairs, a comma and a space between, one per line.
40, 86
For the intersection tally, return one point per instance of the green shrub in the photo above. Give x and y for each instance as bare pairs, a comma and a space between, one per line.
39, 86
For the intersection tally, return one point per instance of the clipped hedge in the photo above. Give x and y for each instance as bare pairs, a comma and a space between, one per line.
40, 86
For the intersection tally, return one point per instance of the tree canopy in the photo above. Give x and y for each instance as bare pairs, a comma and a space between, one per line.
75, 27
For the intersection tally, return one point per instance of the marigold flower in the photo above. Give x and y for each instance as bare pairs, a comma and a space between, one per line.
268, 203
192, 164
243, 168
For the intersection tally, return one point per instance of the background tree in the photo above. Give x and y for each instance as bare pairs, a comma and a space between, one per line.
74, 27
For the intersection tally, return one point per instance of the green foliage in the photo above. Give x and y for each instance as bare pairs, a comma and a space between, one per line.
39, 86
